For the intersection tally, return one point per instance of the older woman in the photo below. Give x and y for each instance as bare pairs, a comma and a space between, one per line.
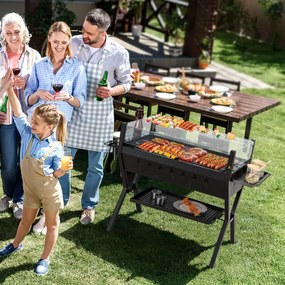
61, 69
14, 52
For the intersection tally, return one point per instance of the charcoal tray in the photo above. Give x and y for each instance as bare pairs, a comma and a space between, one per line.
145, 198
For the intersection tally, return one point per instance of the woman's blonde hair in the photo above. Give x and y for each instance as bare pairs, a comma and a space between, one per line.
52, 116
14, 18
58, 27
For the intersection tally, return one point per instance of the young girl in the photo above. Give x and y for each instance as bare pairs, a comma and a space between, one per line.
40, 156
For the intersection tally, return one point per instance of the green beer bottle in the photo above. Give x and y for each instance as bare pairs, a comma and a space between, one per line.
3, 107
103, 83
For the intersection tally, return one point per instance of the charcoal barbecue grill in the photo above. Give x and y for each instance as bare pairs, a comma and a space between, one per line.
223, 183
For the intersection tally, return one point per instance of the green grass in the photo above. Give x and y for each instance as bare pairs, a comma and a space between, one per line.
158, 248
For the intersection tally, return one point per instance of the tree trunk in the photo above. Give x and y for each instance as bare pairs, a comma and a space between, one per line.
201, 18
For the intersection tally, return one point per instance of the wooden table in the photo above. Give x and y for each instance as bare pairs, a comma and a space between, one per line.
247, 105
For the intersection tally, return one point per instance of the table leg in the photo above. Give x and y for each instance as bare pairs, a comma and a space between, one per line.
247, 128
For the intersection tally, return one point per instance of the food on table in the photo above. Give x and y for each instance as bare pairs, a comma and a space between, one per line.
195, 87
223, 101
168, 88
209, 94
152, 81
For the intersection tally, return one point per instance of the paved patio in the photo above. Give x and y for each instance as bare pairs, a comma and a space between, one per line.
151, 49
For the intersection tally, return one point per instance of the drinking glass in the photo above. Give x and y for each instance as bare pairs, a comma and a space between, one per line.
16, 69
57, 87
66, 159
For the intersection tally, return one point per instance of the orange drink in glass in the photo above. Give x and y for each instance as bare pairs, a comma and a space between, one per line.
66, 159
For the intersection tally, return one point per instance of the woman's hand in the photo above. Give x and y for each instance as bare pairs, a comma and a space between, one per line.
61, 96
44, 95
19, 81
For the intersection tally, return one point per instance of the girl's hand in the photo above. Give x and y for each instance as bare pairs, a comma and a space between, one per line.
45, 95
7, 80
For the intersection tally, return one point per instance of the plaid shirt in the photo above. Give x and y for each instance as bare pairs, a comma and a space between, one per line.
92, 126
27, 60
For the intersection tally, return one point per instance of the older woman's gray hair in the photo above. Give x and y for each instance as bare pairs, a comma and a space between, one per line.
14, 18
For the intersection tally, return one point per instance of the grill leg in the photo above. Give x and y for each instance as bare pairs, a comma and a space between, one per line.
233, 220
117, 209
218, 244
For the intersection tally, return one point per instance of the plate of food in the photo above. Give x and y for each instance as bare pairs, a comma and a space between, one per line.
222, 109
208, 93
152, 81
165, 88
165, 96
169, 80
219, 88
223, 101
189, 206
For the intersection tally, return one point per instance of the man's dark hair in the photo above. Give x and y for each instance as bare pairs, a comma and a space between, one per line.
99, 18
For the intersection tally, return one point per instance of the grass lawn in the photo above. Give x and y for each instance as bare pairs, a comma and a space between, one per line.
154, 247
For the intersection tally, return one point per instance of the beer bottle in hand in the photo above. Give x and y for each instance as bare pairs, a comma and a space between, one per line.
103, 83
3, 107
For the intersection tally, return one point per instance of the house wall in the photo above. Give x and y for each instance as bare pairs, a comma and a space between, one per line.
266, 29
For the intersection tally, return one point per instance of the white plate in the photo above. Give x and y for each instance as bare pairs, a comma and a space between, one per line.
219, 88
165, 96
179, 205
222, 109
169, 80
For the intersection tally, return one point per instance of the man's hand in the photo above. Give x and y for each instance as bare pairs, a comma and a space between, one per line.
2, 117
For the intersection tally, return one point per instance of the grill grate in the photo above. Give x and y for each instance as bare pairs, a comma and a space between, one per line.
145, 198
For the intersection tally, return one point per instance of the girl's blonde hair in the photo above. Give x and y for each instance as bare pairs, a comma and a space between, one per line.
50, 115
14, 18
58, 27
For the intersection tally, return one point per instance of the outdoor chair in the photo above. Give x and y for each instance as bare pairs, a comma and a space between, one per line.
154, 69
173, 112
189, 74
121, 115
157, 69
231, 84
205, 120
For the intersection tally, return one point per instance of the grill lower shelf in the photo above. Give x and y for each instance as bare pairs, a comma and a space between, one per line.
145, 198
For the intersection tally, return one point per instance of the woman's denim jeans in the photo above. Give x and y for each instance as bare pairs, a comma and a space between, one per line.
10, 168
